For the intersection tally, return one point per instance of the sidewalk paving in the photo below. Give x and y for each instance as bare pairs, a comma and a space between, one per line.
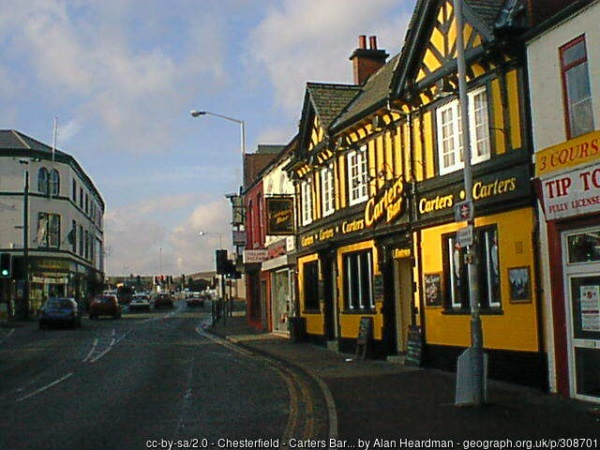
383, 400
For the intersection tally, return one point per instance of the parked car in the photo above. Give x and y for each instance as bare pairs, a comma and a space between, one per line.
60, 311
105, 305
163, 301
139, 301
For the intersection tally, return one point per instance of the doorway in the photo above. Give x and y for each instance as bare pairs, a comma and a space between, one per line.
403, 285
581, 260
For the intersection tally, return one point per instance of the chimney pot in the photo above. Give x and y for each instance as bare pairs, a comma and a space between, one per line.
362, 41
373, 42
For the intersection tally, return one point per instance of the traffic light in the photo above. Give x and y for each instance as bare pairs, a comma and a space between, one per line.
5, 265
221, 256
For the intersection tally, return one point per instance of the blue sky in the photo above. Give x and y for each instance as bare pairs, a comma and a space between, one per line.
121, 76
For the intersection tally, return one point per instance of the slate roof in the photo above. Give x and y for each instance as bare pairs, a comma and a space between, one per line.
14, 140
329, 100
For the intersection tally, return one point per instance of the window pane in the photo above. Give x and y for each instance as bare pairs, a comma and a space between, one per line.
584, 247
574, 53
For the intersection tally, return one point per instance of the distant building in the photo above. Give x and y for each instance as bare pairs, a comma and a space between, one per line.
60, 250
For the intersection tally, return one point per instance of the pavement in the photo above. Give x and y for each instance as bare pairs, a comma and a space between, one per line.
387, 404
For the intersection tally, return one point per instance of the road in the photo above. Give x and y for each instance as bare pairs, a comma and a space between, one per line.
148, 380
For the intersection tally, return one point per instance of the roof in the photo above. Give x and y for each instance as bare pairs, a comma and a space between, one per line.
329, 100
14, 140
374, 92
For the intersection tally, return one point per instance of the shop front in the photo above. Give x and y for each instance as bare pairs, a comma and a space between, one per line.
568, 177
503, 249
279, 270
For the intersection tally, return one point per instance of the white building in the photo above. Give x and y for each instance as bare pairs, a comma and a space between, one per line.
564, 77
61, 248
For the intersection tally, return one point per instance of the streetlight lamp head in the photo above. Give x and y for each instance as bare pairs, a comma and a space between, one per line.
195, 113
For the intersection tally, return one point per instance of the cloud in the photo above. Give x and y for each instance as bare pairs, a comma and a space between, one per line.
305, 40
140, 240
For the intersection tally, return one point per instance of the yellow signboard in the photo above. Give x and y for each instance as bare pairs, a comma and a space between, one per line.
575, 152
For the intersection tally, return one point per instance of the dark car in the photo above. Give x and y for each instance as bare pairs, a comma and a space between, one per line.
163, 301
105, 305
195, 299
60, 311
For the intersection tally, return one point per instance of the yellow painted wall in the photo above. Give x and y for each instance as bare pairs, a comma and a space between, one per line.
516, 328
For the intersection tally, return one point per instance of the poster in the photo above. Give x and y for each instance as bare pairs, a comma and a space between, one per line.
590, 308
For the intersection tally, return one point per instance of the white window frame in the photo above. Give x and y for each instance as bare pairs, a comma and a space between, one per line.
307, 203
327, 191
449, 132
358, 191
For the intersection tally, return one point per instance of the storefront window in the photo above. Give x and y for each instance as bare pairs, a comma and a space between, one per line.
358, 281
456, 268
584, 247
311, 286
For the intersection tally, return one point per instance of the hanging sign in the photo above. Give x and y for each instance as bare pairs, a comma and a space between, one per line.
280, 215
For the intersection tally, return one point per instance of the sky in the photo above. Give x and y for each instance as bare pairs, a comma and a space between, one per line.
120, 77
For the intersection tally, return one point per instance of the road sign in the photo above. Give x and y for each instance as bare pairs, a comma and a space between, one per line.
464, 236
463, 211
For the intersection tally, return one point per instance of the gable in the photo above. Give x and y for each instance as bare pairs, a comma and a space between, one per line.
430, 49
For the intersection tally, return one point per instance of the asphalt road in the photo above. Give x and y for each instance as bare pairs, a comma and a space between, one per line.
148, 380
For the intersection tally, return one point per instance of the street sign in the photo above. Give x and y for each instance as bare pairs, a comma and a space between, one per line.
463, 211
464, 236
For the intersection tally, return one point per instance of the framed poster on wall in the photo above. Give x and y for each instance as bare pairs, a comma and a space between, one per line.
433, 289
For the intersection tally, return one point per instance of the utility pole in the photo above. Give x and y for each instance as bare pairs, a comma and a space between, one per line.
470, 372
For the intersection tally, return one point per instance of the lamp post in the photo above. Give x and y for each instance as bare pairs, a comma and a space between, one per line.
473, 375
25, 301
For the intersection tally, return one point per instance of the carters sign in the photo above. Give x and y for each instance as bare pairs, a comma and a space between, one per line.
280, 215
387, 206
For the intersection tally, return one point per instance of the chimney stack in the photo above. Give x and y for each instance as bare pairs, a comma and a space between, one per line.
367, 61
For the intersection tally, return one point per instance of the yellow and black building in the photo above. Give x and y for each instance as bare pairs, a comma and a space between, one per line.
378, 188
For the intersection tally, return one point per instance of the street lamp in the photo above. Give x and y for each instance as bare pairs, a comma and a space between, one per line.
206, 233
195, 113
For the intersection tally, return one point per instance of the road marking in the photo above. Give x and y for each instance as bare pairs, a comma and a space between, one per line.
92, 350
44, 388
9, 334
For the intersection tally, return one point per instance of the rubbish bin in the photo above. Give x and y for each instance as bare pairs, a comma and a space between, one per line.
297, 327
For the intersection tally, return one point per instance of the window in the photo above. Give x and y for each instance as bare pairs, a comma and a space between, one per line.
74, 193
48, 230
576, 88
358, 281
81, 197
456, 268
307, 205
311, 286
43, 180
72, 238
54, 183
81, 240
357, 176
327, 191
449, 132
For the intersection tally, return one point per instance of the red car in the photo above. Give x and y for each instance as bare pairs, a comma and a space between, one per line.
105, 305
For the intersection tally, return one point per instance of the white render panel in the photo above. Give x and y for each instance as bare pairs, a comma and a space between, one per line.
545, 79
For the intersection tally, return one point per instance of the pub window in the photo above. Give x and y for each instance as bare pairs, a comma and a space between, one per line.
307, 205
48, 230
327, 189
577, 93
43, 181
456, 268
358, 281
311, 286
357, 176
449, 132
